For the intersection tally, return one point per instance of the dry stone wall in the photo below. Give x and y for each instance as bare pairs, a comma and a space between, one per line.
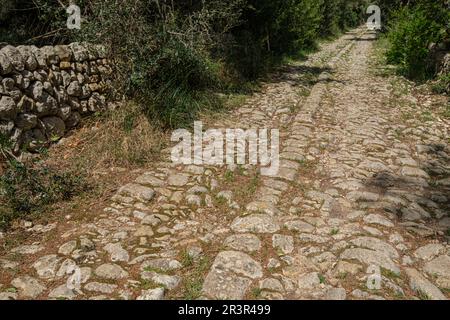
44, 92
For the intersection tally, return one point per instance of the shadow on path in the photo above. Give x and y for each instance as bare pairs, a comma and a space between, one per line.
418, 199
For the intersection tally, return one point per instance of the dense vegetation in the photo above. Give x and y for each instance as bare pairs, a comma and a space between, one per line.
172, 55
412, 27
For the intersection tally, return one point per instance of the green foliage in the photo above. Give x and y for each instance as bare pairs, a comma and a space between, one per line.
411, 30
330, 22
174, 57
26, 189
37, 22
180, 84
272, 29
163, 52
442, 86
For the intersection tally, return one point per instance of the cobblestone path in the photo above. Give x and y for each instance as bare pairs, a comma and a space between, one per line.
358, 210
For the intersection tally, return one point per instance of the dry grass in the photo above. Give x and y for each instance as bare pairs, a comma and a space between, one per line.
120, 138
111, 150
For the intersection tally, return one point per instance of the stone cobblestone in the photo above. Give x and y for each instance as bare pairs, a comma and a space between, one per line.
359, 188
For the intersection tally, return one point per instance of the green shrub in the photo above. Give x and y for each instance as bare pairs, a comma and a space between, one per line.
180, 86
442, 86
163, 52
412, 29
272, 29
26, 189
330, 23
37, 22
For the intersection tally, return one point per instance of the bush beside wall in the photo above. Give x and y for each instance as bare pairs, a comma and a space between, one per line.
413, 31
173, 57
